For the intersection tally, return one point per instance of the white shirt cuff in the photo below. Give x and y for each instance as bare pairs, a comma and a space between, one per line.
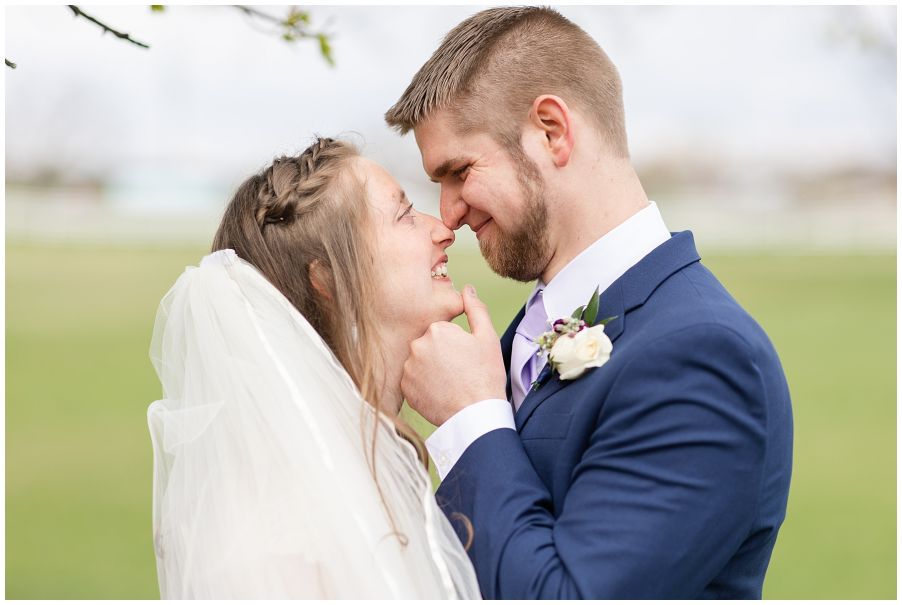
449, 441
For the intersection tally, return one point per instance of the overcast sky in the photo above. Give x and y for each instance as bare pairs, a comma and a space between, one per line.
217, 96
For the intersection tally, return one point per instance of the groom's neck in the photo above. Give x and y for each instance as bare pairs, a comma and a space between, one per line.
596, 198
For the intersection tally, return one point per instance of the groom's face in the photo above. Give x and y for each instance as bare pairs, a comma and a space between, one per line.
500, 196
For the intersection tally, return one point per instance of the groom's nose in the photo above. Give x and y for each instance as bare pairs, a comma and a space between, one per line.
452, 207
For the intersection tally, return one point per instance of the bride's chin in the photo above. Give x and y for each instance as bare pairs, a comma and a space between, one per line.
455, 307
450, 306
447, 313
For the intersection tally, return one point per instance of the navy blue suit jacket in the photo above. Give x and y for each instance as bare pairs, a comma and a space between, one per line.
662, 474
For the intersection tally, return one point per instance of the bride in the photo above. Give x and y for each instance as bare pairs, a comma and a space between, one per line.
281, 466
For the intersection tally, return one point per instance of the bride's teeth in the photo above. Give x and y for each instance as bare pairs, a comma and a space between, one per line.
440, 271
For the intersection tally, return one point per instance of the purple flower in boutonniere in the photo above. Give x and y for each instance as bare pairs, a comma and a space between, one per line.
576, 343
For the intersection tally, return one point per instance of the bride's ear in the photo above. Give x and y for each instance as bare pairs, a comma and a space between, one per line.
321, 279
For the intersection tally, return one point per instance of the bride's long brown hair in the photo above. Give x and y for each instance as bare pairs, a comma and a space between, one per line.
304, 223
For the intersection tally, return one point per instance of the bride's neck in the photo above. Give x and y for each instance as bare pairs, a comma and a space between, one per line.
395, 348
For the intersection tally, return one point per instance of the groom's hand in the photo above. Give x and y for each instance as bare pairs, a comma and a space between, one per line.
449, 369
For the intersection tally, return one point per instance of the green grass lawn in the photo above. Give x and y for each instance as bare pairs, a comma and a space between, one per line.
78, 383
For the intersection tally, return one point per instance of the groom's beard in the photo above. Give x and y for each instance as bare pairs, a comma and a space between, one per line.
524, 253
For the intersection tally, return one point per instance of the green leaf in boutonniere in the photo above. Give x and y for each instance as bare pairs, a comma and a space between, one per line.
592, 309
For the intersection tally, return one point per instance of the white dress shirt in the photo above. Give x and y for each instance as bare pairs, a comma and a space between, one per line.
601, 264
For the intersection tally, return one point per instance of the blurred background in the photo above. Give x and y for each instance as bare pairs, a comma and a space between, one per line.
768, 131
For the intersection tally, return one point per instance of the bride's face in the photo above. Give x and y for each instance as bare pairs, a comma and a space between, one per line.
413, 283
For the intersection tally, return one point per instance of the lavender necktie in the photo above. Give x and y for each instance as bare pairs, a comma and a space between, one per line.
523, 351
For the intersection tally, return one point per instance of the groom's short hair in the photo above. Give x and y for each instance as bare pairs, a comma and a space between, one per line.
491, 67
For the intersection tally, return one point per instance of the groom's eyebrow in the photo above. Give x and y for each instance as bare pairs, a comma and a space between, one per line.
444, 168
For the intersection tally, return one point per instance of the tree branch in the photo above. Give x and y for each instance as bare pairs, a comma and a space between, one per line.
106, 28
10, 64
255, 13
294, 26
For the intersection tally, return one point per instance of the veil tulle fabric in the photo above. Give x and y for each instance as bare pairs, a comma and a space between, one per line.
262, 486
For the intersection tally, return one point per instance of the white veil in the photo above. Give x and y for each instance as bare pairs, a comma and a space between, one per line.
262, 488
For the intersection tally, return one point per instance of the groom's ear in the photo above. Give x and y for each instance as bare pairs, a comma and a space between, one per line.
551, 115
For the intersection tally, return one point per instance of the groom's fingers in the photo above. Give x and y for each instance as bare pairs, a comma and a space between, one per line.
478, 315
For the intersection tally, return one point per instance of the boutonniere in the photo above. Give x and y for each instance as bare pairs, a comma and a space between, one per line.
576, 343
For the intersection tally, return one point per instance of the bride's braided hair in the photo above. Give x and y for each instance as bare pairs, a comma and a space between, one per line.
293, 180
303, 222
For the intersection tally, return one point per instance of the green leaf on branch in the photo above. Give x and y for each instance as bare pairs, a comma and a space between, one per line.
592, 309
325, 48
579, 312
295, 16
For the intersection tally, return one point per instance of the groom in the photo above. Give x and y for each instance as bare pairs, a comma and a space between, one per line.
663, 471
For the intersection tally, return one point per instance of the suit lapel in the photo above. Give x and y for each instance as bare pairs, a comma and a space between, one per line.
628, 292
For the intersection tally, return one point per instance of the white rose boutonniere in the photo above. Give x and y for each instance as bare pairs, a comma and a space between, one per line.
576, 343
575, 353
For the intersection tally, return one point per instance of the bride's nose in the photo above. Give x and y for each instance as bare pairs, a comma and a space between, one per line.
441, 235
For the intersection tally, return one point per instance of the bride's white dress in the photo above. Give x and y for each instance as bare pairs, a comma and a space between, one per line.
262, 480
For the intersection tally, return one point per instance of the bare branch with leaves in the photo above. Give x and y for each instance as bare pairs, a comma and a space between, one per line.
293, 27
